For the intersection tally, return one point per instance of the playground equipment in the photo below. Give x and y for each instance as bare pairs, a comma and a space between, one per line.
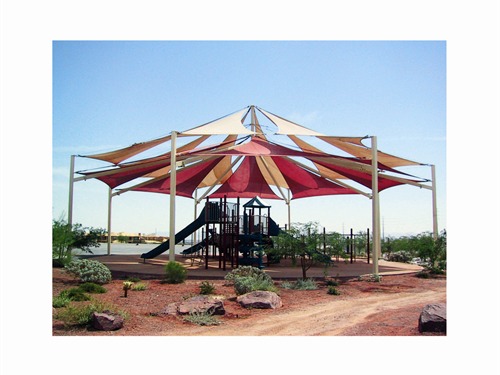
229, 233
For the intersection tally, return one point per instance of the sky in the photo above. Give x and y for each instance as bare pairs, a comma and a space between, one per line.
111, 94
435, 101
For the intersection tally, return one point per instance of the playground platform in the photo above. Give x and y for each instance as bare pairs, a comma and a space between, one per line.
122, 265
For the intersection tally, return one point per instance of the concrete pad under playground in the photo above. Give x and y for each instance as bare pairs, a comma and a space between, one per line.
154, 268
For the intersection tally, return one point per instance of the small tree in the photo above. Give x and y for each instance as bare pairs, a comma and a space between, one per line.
335, 245
65, 238
433, 250
62, 240
302, 242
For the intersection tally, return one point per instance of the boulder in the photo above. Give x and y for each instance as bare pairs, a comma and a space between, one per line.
260, 299
433, 318
106, 321
170, 309
202, 304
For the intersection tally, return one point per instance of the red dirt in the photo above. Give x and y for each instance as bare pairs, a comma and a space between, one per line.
363, 308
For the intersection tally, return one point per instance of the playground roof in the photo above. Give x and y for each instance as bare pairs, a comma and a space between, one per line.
250, 161
256, 202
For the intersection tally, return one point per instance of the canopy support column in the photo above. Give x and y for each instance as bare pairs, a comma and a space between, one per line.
434, 204
289, 203
195, 213
71, 183
173, 192
110, 198
375, 207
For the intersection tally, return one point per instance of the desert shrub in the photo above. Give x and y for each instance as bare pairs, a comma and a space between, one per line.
246, 271
306, 284
89, 271
436, 270
332, 283
202, 318
333, 290
92, 288
80, 315
139, 287
422, 275
175, 273
287, 285
75, 294
300, 284
60, 301
247, 284
207, 288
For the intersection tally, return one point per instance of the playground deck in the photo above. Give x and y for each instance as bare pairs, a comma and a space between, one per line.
152, 268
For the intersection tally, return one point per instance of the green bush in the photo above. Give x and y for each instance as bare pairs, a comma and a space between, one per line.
333, 290
287, 285
175, 273
139, 287
300, 284
246, 271
332, 283
202, 318
80, 315
247, 284
89, 271
422, 275
75, 294
207, 288
60, 301
306, 284
92, 288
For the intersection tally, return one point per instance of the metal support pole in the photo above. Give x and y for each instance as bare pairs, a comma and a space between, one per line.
324, 240
434, 204
110, 198
208, 216
289, 203
195, 215
173, 187
368, 245
375, 207
351, 242
71, 183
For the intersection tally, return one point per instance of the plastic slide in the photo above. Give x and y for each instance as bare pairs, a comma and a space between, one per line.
195, 248
184, 233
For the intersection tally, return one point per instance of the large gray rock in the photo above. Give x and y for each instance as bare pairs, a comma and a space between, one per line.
202, 304
260, 299
433, 318
106, 322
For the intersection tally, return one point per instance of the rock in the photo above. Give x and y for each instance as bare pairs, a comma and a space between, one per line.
260, 299
202, 304
170, 309
433, 318
106, 321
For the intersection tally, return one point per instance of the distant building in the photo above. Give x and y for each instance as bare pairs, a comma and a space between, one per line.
133, 238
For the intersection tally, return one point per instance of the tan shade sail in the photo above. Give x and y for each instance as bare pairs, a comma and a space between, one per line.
120, 155
354, 147
288, 127
231, 124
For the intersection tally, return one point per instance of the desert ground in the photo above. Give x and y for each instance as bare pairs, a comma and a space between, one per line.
390, 307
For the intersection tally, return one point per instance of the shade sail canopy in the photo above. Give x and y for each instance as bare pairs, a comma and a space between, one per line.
246, 163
